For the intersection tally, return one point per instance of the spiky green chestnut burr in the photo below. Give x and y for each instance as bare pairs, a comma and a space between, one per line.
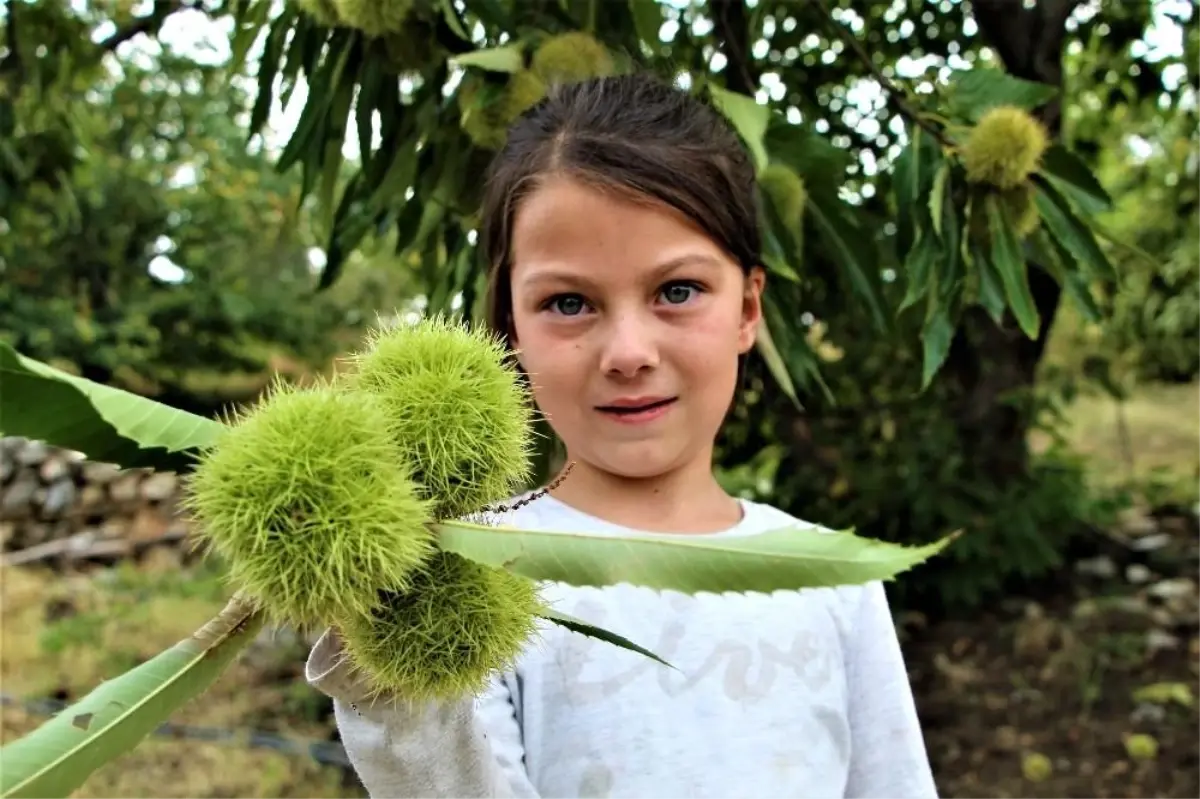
458, 623
570, 57
1021, 204
310, 504
1004, 147
323, 11
374, 17
455, 408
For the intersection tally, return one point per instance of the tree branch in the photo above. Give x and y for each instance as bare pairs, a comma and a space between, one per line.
891, 92
733, 31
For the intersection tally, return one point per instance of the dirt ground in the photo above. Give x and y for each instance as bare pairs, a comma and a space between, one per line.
1087, 691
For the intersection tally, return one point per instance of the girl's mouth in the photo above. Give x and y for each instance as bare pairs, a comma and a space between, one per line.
635, 413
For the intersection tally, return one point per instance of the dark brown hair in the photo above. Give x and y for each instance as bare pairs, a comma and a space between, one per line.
631, 133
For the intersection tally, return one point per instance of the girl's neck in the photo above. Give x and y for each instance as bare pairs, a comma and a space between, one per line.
688, 500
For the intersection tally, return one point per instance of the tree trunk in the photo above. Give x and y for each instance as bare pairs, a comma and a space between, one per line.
993, 366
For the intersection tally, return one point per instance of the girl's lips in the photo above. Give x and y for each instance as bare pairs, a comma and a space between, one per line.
639, 415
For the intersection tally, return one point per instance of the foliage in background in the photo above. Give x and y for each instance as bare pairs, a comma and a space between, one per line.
148, 246
866, 282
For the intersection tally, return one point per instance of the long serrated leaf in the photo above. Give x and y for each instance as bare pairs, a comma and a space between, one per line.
936, 336
788, 558
647, 20
268, 67
58, 757
918, 266
972, 92
1051, 256
580, 626
852, 250
937, 196
991, 289
106, 424
1010, 263
765, 344
509, 58
1072, 233
806, 151
780, 304
1072, 177
748, 117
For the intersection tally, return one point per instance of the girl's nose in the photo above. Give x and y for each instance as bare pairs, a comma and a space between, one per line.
629, 347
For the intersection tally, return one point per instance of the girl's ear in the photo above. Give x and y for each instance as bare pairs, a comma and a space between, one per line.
752, 291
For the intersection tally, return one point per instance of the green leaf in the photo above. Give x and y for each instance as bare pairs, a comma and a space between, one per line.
452, 20
775, 363
599, 633
106, 424
789, 558
647, 20
58, 757
972, 92
914, 172
509, 58
1067, 173
268, 67
808, 153
918, 266
1009, 261
748, 117
991, 289
852, 248
780, 307
937, 196
1072, 233
1052, 257
936, 336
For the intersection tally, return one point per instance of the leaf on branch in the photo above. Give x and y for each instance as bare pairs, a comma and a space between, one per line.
936, 336
851, 247
58, 757
1009, 261
972, 92
775, 363
785, 559
1075, 236
1067, 173
797, 360
509, 58
749, 118
937, 196
575, 625
991, 288
1051, 256
918, 267
104, 423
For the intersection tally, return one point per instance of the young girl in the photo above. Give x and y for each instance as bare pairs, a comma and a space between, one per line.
623, 236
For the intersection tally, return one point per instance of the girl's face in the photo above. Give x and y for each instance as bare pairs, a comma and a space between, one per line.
629, 321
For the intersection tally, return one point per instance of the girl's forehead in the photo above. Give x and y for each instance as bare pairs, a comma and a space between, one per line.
565, 220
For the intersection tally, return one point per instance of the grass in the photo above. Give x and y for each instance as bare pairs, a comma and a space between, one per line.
1155, 431
61, 635
1151, 437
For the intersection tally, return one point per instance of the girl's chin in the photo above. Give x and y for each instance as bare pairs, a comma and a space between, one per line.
643, 460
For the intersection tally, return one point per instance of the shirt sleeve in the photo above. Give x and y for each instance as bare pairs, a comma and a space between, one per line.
465, 748
887, 754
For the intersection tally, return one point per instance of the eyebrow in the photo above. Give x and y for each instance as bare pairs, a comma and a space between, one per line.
550, 274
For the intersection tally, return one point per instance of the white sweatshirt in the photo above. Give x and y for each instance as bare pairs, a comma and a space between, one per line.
789, 694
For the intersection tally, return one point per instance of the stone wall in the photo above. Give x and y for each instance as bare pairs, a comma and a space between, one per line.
56, 505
